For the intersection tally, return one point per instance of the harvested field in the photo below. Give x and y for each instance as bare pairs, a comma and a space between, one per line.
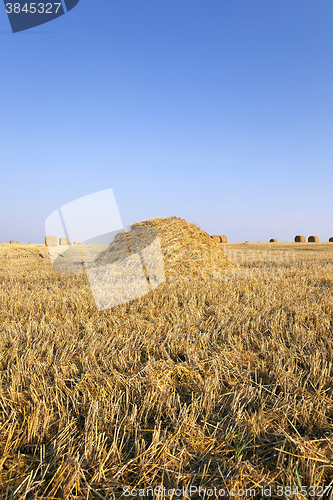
207, 382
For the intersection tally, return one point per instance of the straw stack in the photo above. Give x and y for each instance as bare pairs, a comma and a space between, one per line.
63, 241
186, 250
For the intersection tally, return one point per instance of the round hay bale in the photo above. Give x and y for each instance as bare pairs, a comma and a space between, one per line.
11, 242
224, 239
272, 240
299, 239
313, 239
216, 238
331, 239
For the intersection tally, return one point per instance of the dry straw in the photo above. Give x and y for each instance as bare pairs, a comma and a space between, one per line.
186, 250
203, 383
63, 241
272, 240
299, 239
223, 238
313, 239
216, 238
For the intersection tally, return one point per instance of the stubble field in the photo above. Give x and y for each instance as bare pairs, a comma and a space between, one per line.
219, 383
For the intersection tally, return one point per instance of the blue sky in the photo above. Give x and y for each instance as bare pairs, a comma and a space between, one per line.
217, 111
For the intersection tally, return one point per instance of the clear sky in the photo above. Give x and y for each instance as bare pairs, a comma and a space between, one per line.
217, 111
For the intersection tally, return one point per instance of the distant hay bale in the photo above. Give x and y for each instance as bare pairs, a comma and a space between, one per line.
17, 242
216, 238
223, 238
272, 240
63, 241
313, 239
186, 250
51, 241
331, 239
76, 243
299, 239
70, 243
11, 242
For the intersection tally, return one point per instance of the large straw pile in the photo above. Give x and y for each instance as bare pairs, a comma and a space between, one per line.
187, 251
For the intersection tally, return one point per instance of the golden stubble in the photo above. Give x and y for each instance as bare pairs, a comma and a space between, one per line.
209, 381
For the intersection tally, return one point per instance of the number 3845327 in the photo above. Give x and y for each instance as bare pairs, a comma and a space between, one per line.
33, 8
